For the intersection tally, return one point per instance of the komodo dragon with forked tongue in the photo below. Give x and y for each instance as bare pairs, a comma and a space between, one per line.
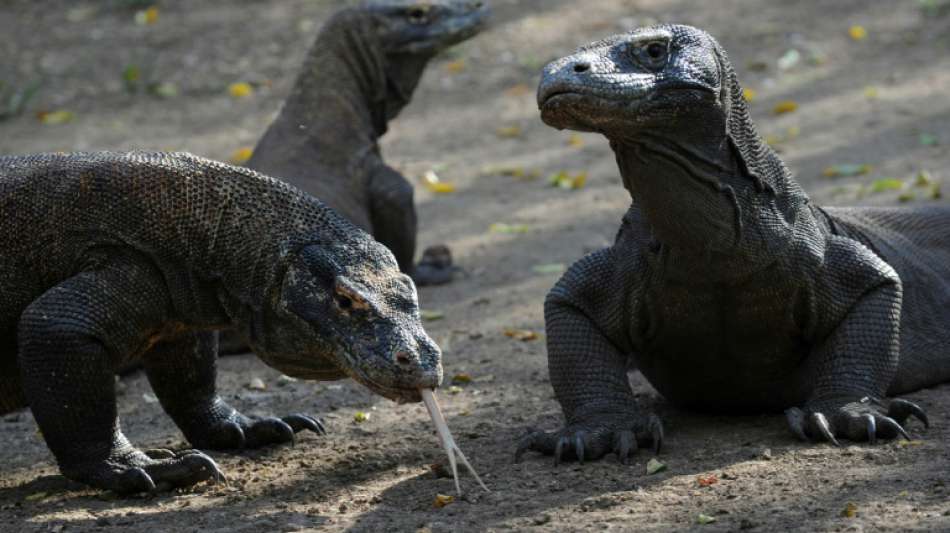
359, 74
725, 286
108, 258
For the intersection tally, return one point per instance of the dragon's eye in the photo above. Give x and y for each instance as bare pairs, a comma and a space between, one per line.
344, 302
418, 14
348, 298
652, 54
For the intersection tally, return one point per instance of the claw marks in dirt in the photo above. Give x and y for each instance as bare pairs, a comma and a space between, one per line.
866, 420
590, 442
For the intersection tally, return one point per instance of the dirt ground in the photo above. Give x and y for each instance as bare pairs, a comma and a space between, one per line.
879, 101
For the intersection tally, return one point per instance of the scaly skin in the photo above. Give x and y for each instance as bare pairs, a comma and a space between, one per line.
113, 258
359, 74
725, 286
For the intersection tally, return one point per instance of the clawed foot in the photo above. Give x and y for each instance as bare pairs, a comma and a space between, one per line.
620, 434
238, 432
150, 471
864, 420
435, 267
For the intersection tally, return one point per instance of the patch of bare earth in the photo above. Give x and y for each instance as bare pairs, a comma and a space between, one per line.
860, 102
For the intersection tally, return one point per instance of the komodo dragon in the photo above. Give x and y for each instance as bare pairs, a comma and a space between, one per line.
359, 74
107, 258
725, 286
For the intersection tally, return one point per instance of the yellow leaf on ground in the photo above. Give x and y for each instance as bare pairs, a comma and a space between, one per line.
241, 89
749, 95
146, 16
461, 378
500, 227
520, 89
441, 500
786, 106
871, 92
508, 132
455, 389
850, 510
360, 416
241, 155
455, 67
56, 117
704, 519
575, 140
432, 182
523, 335
857, 32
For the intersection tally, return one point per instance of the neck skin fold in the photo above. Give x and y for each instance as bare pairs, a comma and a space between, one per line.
701, 205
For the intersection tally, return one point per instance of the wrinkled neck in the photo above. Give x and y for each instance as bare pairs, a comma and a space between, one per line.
682, 189
336, 110
706, 212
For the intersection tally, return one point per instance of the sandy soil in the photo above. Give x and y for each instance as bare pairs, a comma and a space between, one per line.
879, 101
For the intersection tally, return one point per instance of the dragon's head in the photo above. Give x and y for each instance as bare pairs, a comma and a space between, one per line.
347, 309
665, 77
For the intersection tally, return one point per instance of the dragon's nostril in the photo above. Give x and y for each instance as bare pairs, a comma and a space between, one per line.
403, 358
581, 66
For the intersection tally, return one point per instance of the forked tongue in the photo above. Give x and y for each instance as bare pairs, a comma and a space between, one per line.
448, 443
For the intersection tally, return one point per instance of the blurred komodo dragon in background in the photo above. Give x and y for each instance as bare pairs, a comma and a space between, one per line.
725, 286
358, 75
107, 258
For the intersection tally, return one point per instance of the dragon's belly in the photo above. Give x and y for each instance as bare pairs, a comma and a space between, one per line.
723, 348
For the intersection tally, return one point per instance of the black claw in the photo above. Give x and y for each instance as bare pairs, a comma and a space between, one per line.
900, 409
819, 420
894, 426
796, 421
625, 444
559, 449
134, 480
656, 431
300, 422
579, 446
872, 428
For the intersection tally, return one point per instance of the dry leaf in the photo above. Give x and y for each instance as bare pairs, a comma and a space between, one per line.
523, 335
454, 389
857, 33
520, 89
549, 268
508, 132
575, 140
241, 155
432, 182
887, 184
256, 384
455, 67
241, 89
430, 315
441, 500
360, 416
846, 170
499, 227
461, 378
707, 481
146, 16
785, 106
705, 519
654, 466
850, 510
56, 117
749, 95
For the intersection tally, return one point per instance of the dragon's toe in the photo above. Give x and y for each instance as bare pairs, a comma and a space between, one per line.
155, 470
591, 440
865, 420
